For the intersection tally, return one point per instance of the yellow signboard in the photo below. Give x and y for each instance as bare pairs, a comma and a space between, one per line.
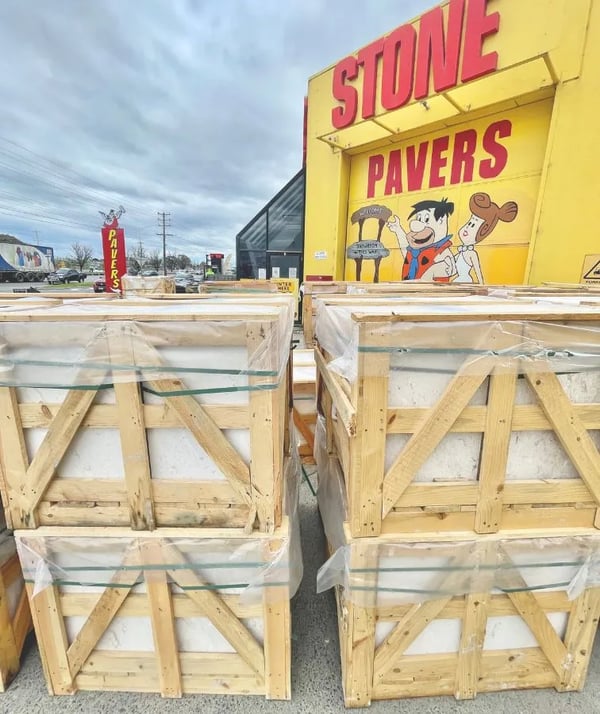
290, 286
455, 205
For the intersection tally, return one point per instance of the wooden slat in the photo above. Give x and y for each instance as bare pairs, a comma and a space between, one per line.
22, 623
358, 642
56, 441
163, 622
497, 606
264, 411
9, 652
102, 614
579, 639
156, 416
345, 410
425, 440
300, 424
14, 460
537, 621
136, 459
277, 636
494, 451
525, 417
213, 607
568, 427
52, 638
367, 448
136, 605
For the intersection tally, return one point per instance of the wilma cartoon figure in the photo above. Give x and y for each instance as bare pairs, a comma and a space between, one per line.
485, 215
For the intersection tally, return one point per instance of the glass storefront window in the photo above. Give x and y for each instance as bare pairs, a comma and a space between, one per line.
285, 218
254, 236
249, 261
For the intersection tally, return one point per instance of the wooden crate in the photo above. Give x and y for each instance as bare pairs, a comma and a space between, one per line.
158, 612
461, 640
441, 425
171, 414
15, 616
147, 285
305, 402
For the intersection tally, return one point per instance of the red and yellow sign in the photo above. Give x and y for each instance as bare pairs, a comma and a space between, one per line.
464, 193
115, 258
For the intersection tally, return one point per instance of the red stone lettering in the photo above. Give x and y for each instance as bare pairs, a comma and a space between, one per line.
398, 52
487, 168
415, 165
463, 156
368, 57
404, 168
345, 93
413, 59
393, 182
376, 166
438, 50
438, 162
478, 26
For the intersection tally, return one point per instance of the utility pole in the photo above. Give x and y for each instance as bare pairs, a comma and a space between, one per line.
164, 221
37, 236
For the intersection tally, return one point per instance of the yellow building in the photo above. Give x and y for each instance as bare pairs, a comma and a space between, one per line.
462, 146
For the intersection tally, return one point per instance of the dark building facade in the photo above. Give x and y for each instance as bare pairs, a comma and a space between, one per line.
271, 245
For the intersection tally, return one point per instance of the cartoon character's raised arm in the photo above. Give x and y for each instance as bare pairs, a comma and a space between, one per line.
396, 227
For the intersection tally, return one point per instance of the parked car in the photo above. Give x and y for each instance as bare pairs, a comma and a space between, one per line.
149, 273
66, 275
100, 286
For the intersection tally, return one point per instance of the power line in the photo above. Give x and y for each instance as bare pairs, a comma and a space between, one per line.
164, 220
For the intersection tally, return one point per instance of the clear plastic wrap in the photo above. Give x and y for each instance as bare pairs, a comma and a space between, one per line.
144, 285
199, 347
548, 337
254, 567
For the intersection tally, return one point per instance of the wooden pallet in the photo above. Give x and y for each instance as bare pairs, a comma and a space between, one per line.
15, 616
527, 453
409, 650
305, 403
157, 612
148, 453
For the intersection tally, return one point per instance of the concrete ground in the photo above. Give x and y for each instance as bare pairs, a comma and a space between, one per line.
316, 687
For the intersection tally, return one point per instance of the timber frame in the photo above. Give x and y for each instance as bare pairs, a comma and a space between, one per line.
13, 630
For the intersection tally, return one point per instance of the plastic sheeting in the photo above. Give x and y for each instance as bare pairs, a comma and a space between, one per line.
257, 567
201, 346
471, 328
388, 571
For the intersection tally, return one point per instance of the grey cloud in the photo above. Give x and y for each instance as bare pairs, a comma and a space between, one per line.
193, 107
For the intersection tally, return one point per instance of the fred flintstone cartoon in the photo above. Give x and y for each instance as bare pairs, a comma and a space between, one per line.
426, 246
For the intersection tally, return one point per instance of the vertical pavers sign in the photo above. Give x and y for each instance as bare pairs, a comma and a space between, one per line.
113, 248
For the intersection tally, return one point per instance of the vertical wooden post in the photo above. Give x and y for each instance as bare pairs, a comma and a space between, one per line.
9, 653
358, 631
14, 462
264, 412
367, 448
277, 635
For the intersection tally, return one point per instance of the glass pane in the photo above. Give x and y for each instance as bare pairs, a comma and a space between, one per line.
254, 236
250, 262
285, 217
284, 263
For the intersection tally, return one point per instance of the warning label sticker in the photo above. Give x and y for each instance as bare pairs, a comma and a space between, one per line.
590, 273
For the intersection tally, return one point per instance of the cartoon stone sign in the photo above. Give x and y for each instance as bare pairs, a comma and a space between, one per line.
369, 249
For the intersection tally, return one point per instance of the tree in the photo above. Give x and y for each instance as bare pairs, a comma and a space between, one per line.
80, 254
171, 262
153, 261
183, 261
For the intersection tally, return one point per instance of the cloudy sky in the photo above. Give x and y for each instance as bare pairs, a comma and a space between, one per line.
188, 106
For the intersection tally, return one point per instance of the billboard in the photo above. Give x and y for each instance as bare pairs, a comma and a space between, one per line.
455, 205
26, 258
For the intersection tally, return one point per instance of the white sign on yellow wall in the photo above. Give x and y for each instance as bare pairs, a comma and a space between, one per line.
457, 205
